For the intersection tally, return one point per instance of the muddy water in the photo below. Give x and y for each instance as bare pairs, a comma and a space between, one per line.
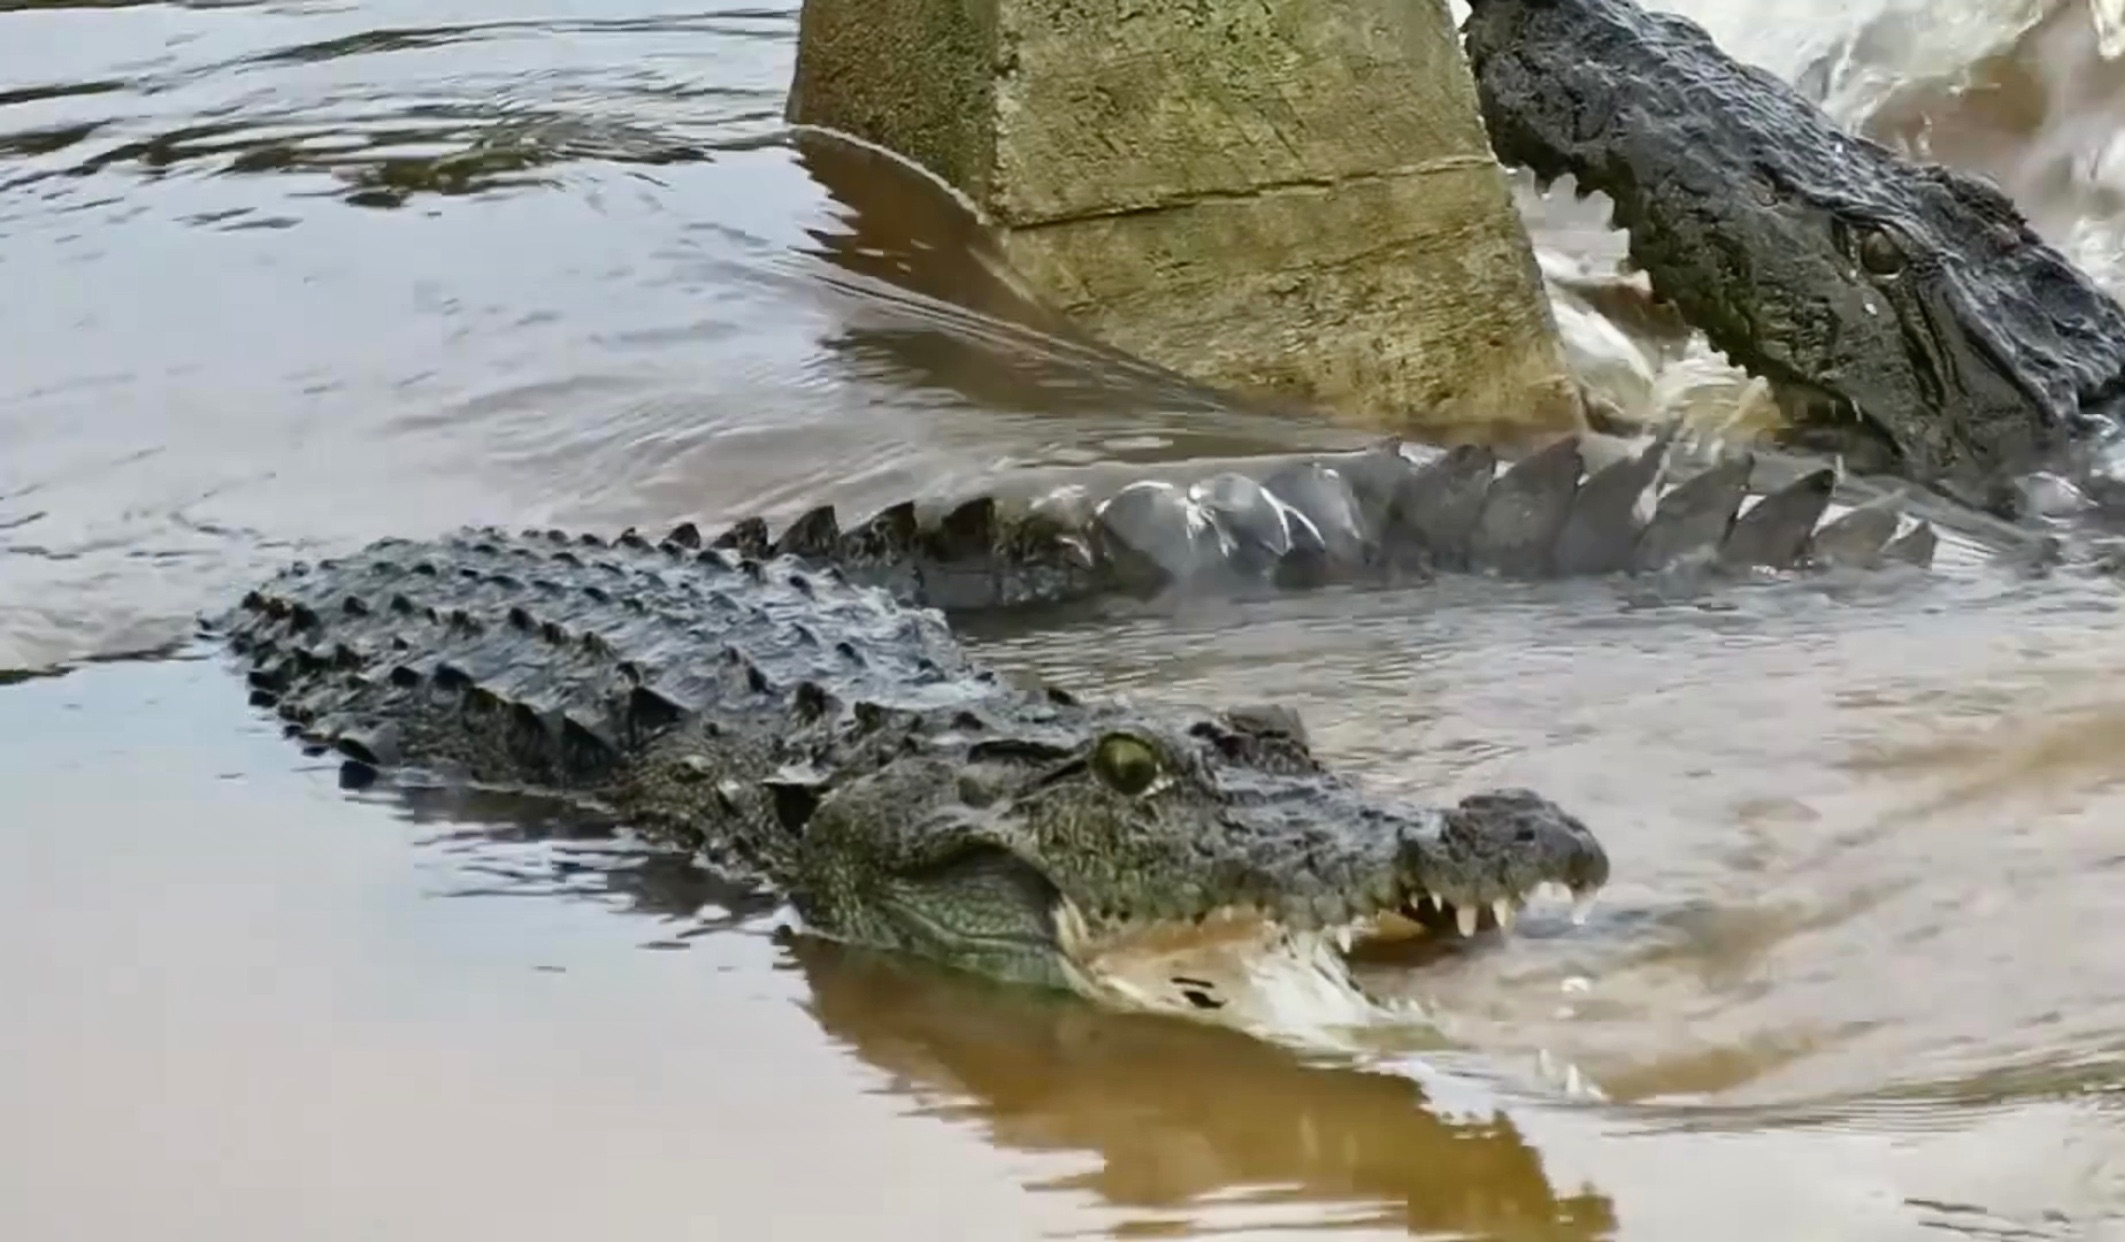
284, 277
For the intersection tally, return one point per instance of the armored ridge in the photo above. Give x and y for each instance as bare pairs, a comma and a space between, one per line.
1907, 315
819, 738
1391, 513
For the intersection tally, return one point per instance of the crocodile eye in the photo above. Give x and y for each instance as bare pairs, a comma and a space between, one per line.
1127, 763
1879, 253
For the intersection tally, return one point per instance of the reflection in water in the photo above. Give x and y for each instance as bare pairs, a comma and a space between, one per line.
1183, 1119
1196, 1131
1191, 1121
1201, 1125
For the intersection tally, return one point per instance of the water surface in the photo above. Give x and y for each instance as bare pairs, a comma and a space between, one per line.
289, 276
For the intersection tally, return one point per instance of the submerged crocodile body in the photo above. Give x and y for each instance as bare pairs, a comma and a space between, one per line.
819, 738
1389, 514
1907, 315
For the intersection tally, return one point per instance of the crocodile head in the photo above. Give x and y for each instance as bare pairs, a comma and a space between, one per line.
1170, 863
1905, 314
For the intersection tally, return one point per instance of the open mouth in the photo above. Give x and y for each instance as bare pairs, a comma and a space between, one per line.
1823, 424
1255, 970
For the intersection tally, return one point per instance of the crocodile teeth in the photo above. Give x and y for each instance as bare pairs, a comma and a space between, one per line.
1503, 910
1465, 919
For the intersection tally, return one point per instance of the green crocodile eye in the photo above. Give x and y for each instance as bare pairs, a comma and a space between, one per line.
1127, 763
1879, 254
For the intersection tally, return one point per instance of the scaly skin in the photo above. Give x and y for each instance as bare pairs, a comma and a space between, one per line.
1907, 314
815, 736
1387, 514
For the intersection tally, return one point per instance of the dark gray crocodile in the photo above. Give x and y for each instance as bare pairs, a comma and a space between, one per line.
1907, 315
820, 739
792, 703
1393, 513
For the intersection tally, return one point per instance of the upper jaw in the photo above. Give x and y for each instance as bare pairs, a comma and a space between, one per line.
1492, 852
1470, 867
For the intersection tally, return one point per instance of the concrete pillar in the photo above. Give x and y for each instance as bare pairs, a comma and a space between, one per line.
1294, 198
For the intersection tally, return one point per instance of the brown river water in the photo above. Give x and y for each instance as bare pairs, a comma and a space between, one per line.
279, 278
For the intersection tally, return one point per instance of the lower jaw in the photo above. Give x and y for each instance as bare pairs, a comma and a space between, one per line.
1267, 980
1253, 973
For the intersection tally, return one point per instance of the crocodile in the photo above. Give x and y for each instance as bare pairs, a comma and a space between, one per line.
831, 745
794, 704
1393, 513
1907, 315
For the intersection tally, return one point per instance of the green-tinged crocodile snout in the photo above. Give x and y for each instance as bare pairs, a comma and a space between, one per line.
1161, 863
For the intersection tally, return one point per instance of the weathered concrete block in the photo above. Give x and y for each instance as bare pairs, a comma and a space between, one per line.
1292, 197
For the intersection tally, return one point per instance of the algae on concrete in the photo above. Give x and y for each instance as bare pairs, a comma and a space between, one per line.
1294, 198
